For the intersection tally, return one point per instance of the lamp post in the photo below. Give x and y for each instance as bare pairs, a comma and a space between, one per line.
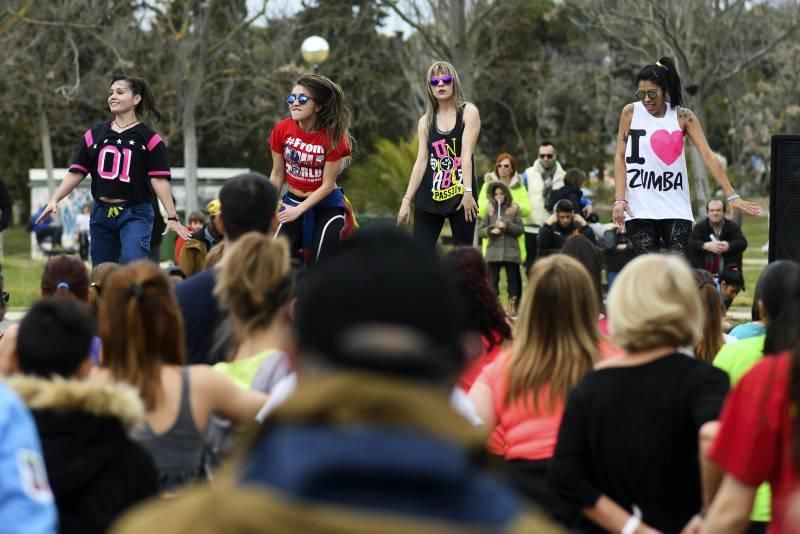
315, 50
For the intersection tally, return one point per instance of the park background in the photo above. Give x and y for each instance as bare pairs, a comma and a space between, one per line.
536, 69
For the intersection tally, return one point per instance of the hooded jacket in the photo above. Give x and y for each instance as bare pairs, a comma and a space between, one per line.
96, 471
351, 453
506, 246
539, 190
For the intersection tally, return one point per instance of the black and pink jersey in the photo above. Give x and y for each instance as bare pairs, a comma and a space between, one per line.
122, 163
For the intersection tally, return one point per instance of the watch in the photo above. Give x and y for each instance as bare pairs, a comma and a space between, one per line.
175, 218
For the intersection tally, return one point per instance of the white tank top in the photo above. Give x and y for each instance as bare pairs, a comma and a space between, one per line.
656, 185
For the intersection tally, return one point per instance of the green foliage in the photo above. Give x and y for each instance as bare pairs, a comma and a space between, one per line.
376, 185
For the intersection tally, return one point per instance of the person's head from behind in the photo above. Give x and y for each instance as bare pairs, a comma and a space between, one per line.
716, 211
196, 221
215, 255
100, 276
556, 337
141, 326
483, 311
657, 84
587, 254
654, 304
711, 339
565, 213
54, 339
505, 166
776, 291
255, 283
248, 203
574, 178
65, 276
547, 154
731, 282
193, 257
499, 195
384, 304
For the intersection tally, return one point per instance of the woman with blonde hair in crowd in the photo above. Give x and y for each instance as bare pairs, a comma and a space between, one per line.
443, 177
634, 429
556, 341
141, 326
255, 286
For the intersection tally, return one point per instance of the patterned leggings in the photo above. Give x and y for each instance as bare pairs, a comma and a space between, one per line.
647, 235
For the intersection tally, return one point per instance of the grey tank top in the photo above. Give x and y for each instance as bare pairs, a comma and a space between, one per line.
178, 452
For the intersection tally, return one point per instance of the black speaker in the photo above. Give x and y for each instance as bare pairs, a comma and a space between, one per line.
784, 198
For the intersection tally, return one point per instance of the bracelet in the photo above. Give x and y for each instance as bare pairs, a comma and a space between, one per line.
733, 197
468, 190
175, 218
620, 201
633, 522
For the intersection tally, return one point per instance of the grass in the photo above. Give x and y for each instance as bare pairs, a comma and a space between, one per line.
21, 274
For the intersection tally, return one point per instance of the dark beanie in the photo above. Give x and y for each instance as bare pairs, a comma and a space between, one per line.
380, 277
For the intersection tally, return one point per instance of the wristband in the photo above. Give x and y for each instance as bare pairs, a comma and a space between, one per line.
633, 522
173, 219
733, 197
468, 190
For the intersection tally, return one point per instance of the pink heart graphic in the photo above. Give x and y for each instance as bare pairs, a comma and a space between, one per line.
667, 146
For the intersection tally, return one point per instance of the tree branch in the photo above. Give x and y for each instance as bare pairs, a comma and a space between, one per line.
58, 24
236, 29
439, 46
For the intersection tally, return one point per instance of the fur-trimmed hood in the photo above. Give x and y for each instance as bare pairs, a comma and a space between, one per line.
104, 400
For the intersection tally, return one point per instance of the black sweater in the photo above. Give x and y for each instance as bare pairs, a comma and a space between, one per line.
631, 433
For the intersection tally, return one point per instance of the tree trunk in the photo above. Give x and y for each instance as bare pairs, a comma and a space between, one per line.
462, 60
47, 151
189, 128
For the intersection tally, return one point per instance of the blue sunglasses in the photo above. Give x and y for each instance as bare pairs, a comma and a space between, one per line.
302, 99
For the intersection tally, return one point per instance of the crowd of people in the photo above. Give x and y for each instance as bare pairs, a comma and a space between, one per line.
292, 374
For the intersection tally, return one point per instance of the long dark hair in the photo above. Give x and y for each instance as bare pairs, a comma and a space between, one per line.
334, 114
711, 338
779, 288
138, 86
483, 311
664, 74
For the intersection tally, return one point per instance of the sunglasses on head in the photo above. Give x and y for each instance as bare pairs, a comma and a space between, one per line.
436, 80
546, 156
651, 94
300, 99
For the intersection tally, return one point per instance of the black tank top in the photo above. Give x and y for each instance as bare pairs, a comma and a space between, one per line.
442, 185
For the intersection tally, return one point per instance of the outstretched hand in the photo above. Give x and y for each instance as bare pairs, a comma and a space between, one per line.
51, 208
179, 229
748, 207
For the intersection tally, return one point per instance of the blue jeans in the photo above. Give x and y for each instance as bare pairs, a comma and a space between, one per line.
121, 239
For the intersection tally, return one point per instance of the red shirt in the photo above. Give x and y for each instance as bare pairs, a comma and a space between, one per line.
473, 371
304, 153
755, 437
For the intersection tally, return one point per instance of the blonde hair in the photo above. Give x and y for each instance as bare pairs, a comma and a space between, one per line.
215, 254
711, 339
556, 337
141, 328
100, 276
654, 302
442, 68
254, 282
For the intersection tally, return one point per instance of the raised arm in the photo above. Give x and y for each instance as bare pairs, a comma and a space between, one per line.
417, 171
691, 125
620, 169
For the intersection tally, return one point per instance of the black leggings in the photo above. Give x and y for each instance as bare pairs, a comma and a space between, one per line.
512, 276
428, 226
647, 235
328, 224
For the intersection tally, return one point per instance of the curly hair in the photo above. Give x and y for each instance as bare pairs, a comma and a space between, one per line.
483, 311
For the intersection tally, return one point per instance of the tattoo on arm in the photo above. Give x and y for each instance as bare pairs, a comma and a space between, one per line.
627, 110
685, 115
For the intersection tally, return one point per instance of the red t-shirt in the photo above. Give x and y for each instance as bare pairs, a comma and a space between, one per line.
473, 371
304, 153
755, 437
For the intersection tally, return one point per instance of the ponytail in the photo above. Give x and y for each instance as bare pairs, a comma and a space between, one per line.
664, 73
138, 86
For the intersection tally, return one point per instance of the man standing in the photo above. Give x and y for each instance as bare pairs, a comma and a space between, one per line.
541, 178
716, 242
